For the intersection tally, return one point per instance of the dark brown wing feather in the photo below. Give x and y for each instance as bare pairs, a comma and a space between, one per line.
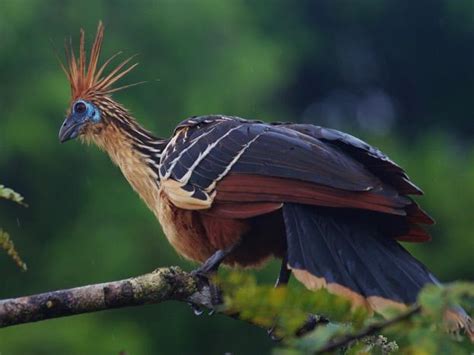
211, 147
241, 210
376, 161
255, 188
239, 191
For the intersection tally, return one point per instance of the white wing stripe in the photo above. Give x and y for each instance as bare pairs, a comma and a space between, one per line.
184, 180
231, 164
175, 160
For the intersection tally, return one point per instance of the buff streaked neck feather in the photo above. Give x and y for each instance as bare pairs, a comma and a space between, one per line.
136, 153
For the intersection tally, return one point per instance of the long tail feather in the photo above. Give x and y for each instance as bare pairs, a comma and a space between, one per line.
350, 257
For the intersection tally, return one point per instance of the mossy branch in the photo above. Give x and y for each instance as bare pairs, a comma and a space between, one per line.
158, 286
161, 285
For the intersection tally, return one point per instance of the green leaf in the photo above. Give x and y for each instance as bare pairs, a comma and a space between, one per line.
11, 195
432, 301
287, 309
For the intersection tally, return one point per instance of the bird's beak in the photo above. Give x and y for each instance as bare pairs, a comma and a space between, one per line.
70, 129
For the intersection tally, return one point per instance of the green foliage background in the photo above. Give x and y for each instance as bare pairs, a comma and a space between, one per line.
399, 74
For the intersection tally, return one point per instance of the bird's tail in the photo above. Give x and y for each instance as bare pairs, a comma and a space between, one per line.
348, 255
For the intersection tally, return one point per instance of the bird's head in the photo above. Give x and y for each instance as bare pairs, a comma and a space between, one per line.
92, 108
84, 117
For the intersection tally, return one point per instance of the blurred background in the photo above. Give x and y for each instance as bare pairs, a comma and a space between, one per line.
398, 74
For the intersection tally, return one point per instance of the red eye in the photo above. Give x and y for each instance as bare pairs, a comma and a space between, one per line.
80, 107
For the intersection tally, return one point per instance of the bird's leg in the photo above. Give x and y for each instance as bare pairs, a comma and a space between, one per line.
207, 269
285, 273
282, 280
313, 320
211, 265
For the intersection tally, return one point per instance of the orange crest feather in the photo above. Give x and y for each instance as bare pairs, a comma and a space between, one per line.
86, 78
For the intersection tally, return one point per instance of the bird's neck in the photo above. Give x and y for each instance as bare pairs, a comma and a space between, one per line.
137, 153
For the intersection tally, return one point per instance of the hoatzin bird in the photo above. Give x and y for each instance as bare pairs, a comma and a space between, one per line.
234, 191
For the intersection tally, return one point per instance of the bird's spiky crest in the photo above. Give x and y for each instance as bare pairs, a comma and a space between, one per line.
87, 79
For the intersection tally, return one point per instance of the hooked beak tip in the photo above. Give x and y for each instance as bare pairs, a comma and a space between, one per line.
69, 130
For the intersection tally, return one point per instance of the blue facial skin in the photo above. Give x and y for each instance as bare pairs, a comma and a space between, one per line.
82, 112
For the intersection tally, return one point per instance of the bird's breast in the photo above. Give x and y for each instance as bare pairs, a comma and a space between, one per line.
184, 230
197, 235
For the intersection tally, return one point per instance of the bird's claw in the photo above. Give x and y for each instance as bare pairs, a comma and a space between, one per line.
199, 311
196, 309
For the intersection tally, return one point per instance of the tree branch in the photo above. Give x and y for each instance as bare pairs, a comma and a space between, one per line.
369, 330
161, 285
158, 286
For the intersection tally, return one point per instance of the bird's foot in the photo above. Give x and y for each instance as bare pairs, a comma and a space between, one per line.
215, 300
204, 273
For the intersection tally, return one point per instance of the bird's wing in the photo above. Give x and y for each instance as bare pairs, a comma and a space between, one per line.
228, 163
372, 158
